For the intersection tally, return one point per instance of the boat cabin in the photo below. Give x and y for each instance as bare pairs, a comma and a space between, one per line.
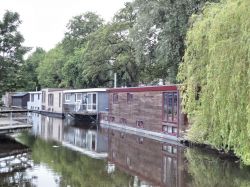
153, 110
85, 101
20, 100
52, 101
35, 101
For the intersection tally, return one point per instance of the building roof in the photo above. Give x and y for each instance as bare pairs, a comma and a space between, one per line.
35, 92
145, 89
20, 94
86, 90
53, 89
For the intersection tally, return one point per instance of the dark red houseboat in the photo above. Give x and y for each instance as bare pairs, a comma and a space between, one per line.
151, 110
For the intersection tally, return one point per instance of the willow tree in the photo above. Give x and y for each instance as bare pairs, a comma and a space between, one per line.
216, 77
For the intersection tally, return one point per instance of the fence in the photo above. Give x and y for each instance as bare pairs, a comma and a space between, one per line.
80, 108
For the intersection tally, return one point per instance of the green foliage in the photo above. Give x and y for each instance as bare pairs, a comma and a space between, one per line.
28, 71
143, 43
216, 77
71, 70
73, 44
50, 70
159, 34
11, 51
78, 30
109, 50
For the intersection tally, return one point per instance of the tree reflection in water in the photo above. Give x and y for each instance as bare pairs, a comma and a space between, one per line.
209, 170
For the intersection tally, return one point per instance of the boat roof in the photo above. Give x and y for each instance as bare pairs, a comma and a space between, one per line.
35, 92
20, 94
53, 89
172, 87
86, 90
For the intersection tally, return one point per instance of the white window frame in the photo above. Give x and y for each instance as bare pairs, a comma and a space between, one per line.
76, 97
90, 105
67, 97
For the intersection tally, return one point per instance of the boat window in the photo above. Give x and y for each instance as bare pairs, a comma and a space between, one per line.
67, 97
51, 99
170, 107
129, 98
115, 98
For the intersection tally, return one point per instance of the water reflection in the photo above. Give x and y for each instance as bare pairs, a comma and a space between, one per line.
151, 162
69, 168
14, 160
209, 169
64, 153
76, 135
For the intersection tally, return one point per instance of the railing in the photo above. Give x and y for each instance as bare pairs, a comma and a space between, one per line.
79, 108
13, 121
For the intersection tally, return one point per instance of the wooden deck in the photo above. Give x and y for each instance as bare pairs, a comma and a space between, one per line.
13, 111
8, 125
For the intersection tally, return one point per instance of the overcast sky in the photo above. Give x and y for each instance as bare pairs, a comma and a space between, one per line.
44, 21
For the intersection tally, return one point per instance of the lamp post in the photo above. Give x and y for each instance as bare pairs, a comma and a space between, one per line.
115, 74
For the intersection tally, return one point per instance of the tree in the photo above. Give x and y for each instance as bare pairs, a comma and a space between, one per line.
216, 77
50, 70
71, 70
28, 71
79, 28
11, 51
159, 34
110, 50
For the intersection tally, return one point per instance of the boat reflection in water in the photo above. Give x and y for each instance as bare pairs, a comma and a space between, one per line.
84, 138
151, 162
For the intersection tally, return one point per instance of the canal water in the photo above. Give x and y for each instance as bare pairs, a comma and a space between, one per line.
70, 153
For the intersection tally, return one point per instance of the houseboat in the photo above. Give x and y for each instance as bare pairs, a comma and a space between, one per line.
19, 100
154, 111
35, 101
52, 102
85, 102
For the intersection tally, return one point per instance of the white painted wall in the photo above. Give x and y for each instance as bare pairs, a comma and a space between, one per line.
36, 104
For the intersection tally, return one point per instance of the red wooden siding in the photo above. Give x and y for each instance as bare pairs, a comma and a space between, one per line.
154, 109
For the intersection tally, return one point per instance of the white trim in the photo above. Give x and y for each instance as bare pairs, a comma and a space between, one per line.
76, 100
86, 90
84, 151
141, 132
39, 92
91, 104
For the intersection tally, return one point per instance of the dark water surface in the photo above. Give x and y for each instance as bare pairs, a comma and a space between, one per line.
67, 153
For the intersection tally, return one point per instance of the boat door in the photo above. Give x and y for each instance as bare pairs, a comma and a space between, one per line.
92, 102
78, 102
